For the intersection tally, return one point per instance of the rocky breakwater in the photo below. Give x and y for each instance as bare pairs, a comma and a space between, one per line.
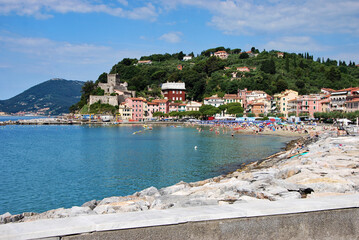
313, 167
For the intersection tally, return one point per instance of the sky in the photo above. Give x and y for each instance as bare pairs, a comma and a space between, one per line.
80, 39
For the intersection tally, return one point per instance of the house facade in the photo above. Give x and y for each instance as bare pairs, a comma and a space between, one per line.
308, 105
221, 54
136, 104
281, 100
214, 101
163, 105
232, 98
125, 112
174, 91
193, 106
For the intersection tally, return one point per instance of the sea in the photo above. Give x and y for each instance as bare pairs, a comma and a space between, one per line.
45, 167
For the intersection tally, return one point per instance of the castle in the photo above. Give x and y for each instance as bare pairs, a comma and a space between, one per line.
115, 91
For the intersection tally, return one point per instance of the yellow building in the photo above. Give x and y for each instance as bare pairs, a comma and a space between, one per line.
125, 113
282, 99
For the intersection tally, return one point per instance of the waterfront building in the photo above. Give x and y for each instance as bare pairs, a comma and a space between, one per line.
280, 54
214, 101
182, 107
292, 107
152, 108
193, 106
352, 105
174, 107
338, 98
281, 100
145, 109
232, 98
163, 105
325, 102
125, 112
137, 108
256, 108
174, 91
308, 105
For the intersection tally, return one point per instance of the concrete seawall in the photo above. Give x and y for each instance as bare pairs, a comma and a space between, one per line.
334, 217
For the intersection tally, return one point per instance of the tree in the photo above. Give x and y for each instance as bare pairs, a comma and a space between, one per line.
208, 110
268, 66
243, 55
287, 64
181, 55
98, 92
281, 85
235, 108
158, 114
334, 75
102, 78
300, 84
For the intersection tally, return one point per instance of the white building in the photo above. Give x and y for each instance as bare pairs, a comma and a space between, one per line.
187, 58
214, 101
193, 106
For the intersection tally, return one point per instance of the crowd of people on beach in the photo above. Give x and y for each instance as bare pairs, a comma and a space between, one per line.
263, 128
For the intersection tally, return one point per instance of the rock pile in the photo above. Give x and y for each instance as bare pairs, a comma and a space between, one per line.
326, 166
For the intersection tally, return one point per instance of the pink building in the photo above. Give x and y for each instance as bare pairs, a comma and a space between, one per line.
152, 108
163, 105
309, 104
137, 108
174, 107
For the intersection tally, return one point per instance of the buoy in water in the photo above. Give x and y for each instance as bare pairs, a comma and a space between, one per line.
195, 147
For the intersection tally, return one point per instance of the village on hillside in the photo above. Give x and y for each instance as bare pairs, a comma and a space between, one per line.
254, 103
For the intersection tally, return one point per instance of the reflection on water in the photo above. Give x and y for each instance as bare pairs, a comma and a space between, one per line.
47, 167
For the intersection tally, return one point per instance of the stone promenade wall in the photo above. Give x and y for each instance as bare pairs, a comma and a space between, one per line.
334, 217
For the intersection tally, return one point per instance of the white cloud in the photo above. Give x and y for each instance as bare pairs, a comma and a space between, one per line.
295, 44
251, 17
40, 52
123, 2
44, 8
46, 49
171, 37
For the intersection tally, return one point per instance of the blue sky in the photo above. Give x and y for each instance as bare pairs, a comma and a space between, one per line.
80, 39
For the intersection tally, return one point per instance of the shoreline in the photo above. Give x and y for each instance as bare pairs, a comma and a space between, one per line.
247, 183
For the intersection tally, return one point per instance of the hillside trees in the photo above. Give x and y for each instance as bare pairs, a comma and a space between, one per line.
205, 75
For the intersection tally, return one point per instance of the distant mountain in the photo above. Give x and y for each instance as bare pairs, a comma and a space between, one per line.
52, 97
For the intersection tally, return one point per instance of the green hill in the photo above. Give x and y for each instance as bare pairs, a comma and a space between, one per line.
205, 75
55, 96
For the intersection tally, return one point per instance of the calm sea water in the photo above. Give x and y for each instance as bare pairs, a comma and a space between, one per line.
48, 167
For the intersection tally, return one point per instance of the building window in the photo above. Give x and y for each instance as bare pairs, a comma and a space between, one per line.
283, 109
173, 92
180, 92
314, 108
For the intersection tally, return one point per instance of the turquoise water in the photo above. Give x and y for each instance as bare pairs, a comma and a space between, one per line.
48, 167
